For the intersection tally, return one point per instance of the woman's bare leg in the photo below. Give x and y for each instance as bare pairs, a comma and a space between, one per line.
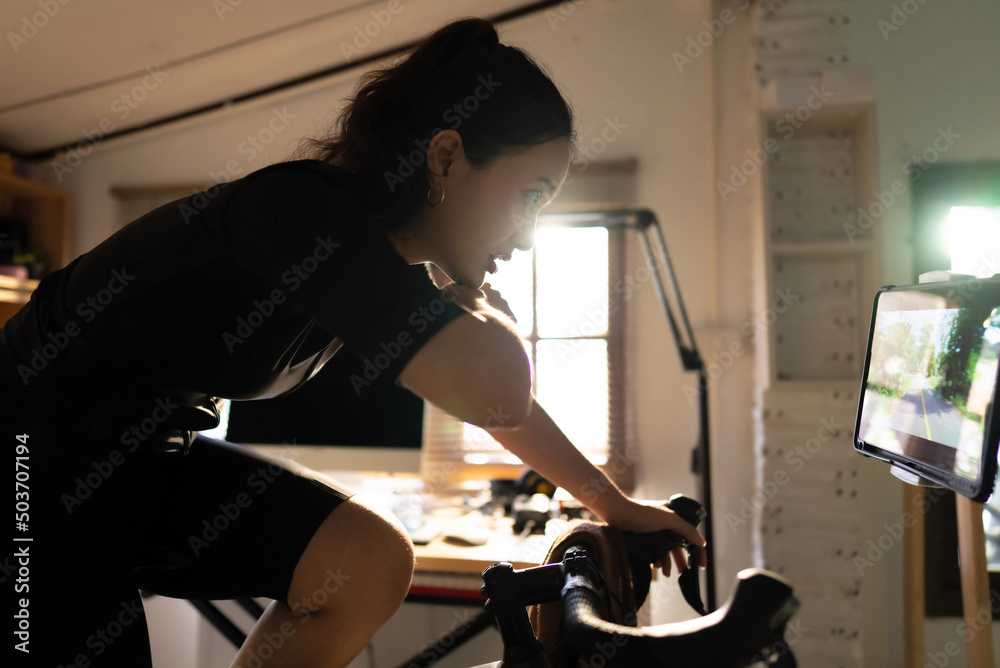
349, 581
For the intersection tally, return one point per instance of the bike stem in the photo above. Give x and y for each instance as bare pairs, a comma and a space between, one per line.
509, 591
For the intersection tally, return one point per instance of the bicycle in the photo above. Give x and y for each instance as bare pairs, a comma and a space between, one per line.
748, 629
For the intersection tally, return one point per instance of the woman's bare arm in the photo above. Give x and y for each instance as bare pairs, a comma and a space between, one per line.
475, 368
459, 375
543, 446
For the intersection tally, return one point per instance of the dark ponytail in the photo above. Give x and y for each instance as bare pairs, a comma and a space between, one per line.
495, 96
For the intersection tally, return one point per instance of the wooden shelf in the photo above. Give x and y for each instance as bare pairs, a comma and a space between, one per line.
816, 384
17, 186
44, 212
15, 290
820, 175
822, 248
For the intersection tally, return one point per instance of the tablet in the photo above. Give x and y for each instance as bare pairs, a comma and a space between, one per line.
930, 383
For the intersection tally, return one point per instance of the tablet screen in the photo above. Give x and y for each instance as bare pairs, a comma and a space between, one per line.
930, 381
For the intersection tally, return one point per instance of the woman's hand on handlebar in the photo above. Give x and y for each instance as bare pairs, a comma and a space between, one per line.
645, 516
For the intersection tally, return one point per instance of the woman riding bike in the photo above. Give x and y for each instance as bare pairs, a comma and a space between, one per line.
328, 254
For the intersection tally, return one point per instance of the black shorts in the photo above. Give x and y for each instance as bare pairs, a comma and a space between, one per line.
219, 522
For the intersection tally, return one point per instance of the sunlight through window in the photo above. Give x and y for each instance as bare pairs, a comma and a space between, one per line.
973, 235
559, 294
572, 282
572, 386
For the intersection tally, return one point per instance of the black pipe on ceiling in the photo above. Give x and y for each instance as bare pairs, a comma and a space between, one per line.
50, 153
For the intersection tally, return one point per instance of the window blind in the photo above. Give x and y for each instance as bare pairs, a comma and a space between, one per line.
454, 452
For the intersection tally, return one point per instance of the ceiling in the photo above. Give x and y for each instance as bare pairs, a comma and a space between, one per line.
75, 72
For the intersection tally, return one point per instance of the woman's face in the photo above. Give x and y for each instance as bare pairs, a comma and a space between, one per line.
488, 212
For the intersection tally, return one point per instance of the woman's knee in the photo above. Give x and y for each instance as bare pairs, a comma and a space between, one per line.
357, 554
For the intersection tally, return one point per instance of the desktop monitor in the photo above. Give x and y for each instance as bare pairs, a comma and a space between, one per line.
930, 383
326, 425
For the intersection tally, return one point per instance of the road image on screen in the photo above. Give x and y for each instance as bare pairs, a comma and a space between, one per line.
930, 380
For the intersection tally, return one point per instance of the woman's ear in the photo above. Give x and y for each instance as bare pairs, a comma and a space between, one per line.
445, 150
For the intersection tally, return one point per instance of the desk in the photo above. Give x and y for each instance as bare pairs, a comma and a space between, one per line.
440, 560
447, 573
450, 574
445, 568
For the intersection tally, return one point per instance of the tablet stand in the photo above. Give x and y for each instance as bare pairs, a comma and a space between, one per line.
972, 564
654, 247
975, 580
911, 478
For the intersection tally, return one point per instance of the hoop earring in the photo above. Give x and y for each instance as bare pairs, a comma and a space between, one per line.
429, 197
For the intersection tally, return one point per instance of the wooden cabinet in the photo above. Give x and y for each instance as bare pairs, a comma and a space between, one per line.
820, 242
822, 211
44, 213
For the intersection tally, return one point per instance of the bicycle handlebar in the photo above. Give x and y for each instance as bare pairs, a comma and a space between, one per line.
749, 627
644, 548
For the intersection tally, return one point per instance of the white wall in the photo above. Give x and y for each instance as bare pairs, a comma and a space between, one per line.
614, 60
937, 70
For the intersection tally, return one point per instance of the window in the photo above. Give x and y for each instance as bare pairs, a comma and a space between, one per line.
561, 294
956, 226
972, 235
973, 240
